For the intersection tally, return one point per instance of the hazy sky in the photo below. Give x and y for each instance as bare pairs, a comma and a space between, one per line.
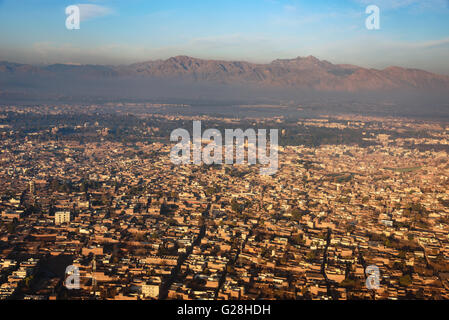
414, 33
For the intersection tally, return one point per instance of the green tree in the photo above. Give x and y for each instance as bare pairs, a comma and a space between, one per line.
405, 280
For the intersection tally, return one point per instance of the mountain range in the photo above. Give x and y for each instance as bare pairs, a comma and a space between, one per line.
308, 73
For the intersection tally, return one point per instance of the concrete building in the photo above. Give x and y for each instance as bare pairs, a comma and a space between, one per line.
62, 217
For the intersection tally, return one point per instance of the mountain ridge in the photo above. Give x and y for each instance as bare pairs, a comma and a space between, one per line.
300, 72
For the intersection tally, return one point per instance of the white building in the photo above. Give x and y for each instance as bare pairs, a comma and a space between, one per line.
150, 290
62, 217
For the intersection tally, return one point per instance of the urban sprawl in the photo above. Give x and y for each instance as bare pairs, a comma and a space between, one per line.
93, 186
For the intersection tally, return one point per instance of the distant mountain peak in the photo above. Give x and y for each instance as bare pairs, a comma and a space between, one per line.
181, 58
